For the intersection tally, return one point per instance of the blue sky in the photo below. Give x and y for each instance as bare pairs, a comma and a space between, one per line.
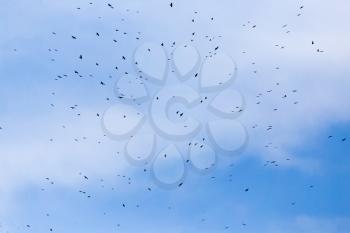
42, 137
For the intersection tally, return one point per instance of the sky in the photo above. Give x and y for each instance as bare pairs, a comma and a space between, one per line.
78, 155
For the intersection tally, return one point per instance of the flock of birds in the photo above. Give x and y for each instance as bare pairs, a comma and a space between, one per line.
117, 68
